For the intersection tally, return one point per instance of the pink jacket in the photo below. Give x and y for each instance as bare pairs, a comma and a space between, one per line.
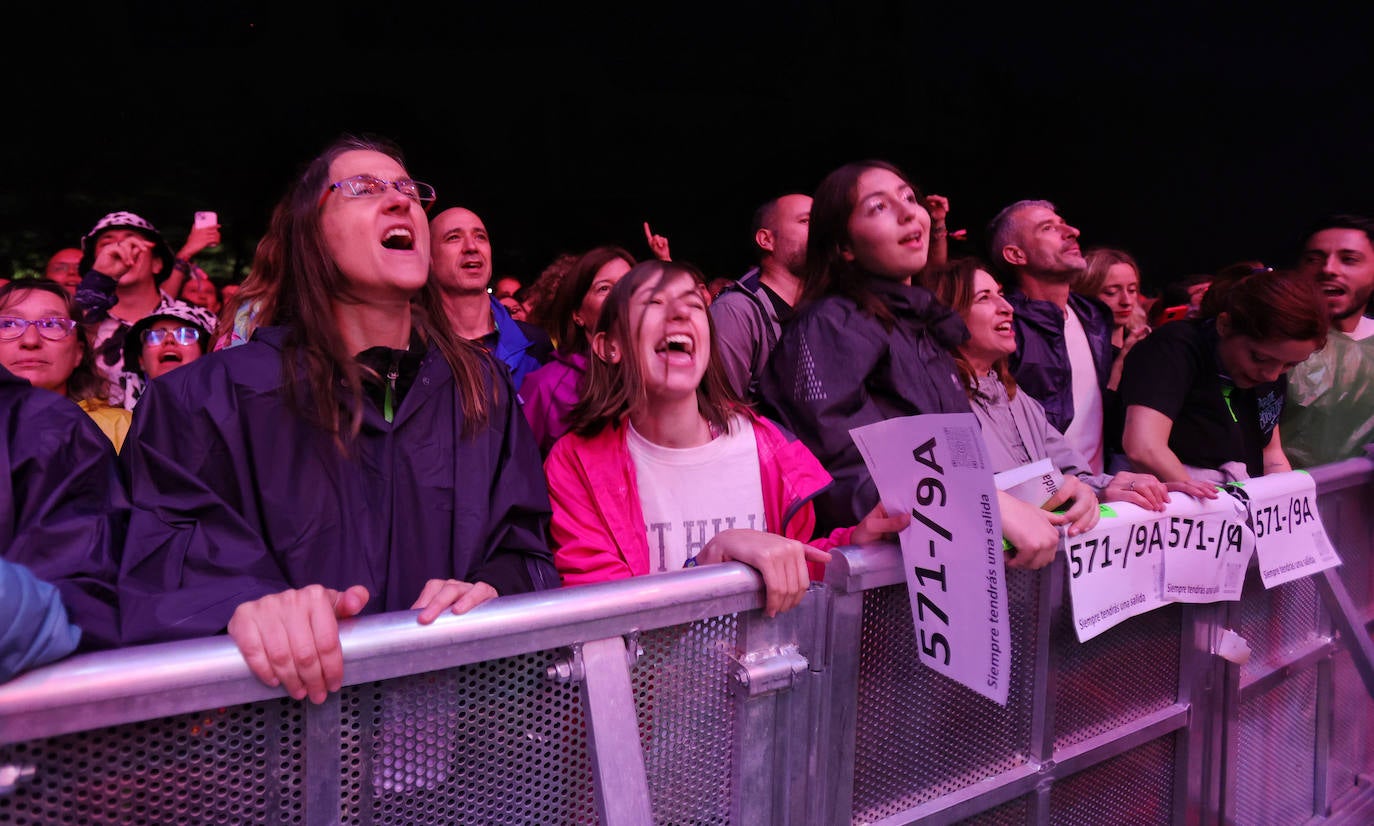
598, 530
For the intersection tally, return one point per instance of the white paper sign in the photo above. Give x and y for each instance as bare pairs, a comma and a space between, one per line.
935, 467
1207, 548
1116, 570
1289, 536
1136, 560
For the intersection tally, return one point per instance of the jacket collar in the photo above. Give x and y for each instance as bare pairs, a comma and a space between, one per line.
918, 304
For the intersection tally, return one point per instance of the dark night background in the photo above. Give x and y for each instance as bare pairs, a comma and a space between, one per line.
1192, 136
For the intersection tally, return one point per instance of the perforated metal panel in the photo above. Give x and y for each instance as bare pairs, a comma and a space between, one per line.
1353, 730
1349, 524
921, 735
1276, 621
1134, 788
239, 765
1014, 813
685, 672
1121, 675
491, 743
1275, 755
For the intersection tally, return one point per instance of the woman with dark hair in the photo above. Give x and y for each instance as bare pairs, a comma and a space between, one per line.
549, 392
354, 456
869, 344
1203, 396
42, 341
660, 441
1015, 429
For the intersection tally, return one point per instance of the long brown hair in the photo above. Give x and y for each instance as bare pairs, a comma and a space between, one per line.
294, 281
952, 283
613, 389
827, 271
85, 382
571, 336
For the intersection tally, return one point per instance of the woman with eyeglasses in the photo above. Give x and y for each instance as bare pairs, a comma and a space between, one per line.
175, 335
354, 456
1204, 395
41, 341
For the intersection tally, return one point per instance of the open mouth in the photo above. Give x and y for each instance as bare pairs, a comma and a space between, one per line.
170, 356
675, 344
398, 238
911, 238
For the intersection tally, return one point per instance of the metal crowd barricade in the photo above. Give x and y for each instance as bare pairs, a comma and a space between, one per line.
672, 699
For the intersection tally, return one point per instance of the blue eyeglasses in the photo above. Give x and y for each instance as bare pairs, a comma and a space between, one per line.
54, 328
367, 186
181, 335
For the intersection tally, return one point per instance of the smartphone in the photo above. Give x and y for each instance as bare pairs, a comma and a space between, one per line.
205, 219
1174, 313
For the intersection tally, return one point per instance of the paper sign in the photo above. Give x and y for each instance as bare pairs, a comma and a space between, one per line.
1136, 560
1034, 483
1116, 570
1289, 537
1207, 548
935, 467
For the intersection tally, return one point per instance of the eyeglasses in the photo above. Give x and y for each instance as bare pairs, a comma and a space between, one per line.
53, 329
366, 186
181, 335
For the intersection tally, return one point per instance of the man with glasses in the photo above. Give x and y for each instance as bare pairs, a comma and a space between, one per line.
124, 262
460, 250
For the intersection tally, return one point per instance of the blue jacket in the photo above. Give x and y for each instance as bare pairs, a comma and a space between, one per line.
521, 347
33, 624
1041, 361
237, 496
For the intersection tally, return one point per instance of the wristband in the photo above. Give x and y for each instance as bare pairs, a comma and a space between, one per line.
181, 265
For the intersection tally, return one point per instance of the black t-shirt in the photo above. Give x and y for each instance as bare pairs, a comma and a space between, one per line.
1175, 370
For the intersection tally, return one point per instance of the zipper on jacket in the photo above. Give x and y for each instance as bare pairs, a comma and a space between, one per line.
1226, 394
389, 401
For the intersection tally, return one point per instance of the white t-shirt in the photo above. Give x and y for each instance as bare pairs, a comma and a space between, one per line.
1085, 431
1364, 329
689, 495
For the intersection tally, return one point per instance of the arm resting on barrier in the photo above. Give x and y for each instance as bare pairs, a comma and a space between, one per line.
780, 560
33, 624
1146, 440
292, 638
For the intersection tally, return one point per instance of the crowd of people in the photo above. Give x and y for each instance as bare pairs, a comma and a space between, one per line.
374, 422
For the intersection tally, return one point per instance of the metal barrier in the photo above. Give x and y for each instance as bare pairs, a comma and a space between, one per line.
672, 699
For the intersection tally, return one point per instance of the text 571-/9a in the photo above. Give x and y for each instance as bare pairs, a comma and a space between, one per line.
930, 493
1098, 553
1283, 518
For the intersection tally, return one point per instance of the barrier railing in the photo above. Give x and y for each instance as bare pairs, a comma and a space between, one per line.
672, 699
